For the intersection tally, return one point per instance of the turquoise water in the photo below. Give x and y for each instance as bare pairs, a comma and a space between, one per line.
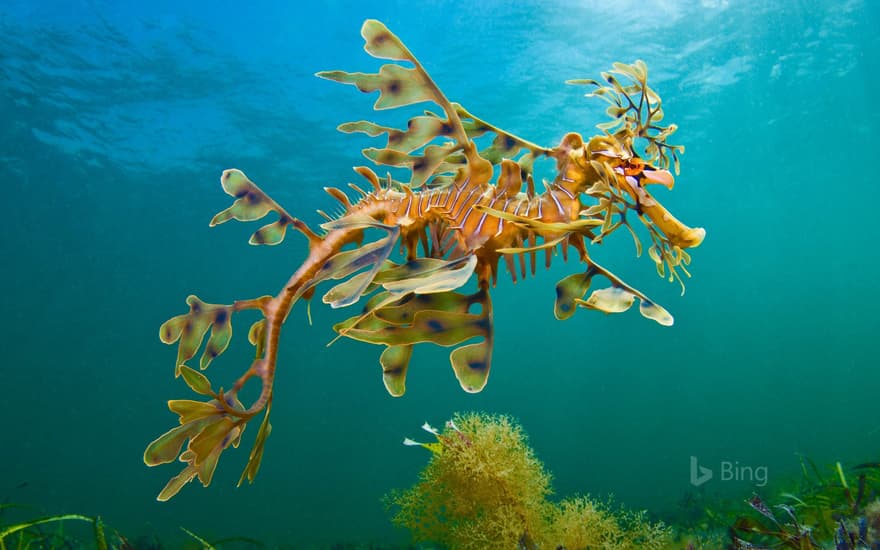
118, 119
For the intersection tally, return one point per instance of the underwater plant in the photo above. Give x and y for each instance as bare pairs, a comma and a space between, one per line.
701, 520
484, 488
827, 511
30, 533
453, 224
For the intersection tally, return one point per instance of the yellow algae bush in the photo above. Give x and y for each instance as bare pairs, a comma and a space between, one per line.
484, 488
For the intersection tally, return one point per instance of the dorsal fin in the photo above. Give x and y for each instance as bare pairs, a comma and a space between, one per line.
530, 186
370, 176
510, 180
340, 196
358, 189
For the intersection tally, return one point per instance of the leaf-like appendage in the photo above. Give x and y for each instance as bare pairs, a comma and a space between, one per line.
405, 286
403, 312
221, 334
251, 203
177, 482
615, 299
420, 131
392, 272
394, 361
445, 328
428, 276
655, 312
357, 285
503, 147
382, 43
194, 410
208, 445
270, 234
637, 71
342, 264
568, 290
471, 365
197, 381
256, 336
400, 86
441, 318
439, 327
345, 263
190, 328
210, 429
366, 127
166, 447
256, 456
609, 300
397, 86
422, 166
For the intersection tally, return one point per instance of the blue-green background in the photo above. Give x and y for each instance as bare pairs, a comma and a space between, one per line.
117, 120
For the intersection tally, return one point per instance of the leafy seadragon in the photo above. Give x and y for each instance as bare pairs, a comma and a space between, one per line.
453, 225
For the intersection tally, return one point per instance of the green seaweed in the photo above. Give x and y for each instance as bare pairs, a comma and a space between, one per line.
29, 534
32, 534
840, 508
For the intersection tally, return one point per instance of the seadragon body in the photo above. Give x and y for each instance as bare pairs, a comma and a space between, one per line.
454, 224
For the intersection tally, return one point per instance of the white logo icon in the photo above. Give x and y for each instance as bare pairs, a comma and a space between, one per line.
699, 474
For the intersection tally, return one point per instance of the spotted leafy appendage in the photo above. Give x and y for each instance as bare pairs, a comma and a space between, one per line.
251, 203
433, 147
441, 319
190, 329
419, 304
208, 428
399, 86
617, 298
432, 164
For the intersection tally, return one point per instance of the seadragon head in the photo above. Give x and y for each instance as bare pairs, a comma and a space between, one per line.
614, 169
